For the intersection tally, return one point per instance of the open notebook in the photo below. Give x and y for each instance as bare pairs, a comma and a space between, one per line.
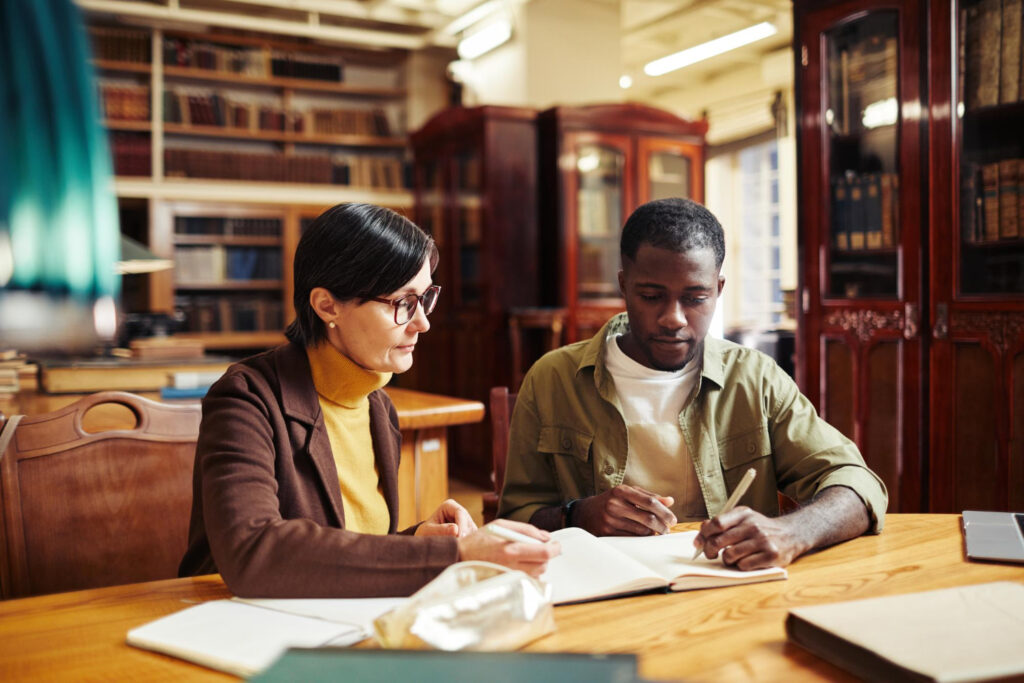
243, 637
594, 568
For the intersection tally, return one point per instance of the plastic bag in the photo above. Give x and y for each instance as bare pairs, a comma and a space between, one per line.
471, 606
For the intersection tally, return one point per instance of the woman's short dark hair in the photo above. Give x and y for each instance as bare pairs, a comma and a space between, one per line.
680, 225
354, 251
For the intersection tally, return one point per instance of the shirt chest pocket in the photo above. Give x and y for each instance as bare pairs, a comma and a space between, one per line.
565, 442
745, 447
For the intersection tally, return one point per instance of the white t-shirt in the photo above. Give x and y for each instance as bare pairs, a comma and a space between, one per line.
651, 400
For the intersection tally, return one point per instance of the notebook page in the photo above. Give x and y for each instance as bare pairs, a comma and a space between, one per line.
588, 568
359, 612
235, 637
669, 556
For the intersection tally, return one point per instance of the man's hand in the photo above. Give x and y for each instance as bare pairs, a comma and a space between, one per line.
449, 519
624, 511
531, 558
749, 540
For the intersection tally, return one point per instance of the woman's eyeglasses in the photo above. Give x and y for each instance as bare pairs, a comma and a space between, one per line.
405, 306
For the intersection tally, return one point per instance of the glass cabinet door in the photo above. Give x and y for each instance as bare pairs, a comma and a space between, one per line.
667, 168
991, 241
469, 227
600, 202
861, 123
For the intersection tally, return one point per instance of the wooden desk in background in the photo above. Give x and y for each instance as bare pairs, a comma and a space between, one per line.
423, 419
720, 634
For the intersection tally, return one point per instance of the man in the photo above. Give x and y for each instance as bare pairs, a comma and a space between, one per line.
651, 422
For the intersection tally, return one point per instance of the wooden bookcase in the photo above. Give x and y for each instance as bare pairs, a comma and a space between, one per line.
598, 164
912, 261
476, 194
240, 129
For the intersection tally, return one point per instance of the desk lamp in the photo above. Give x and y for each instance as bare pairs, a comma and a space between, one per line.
58, 215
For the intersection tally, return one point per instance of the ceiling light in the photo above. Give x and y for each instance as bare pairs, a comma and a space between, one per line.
709, 49
486, 39
625, 82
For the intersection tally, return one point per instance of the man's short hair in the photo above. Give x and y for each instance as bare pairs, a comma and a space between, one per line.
681, 225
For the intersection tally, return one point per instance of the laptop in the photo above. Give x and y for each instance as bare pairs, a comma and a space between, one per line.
994, 535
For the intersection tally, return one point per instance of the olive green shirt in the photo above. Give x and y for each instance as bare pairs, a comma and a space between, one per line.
568, 436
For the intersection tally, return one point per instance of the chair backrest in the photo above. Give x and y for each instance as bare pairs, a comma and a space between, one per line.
502, 403
84, 510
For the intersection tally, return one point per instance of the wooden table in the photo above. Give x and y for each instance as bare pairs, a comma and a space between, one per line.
423, 419
722, 634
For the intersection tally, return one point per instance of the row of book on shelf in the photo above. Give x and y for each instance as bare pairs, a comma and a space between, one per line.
252, 61
120, 44
227, 226
132, 45
990, 53
992, 201
132, 155
214, 109
865, 211
216, 263
376, 172
231, 313
121, 102
864, 75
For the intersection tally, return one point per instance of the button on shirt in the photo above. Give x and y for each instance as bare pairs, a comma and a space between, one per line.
569, 437
657, 459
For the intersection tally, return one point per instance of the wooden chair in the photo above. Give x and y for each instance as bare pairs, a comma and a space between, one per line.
83, 510
502, 403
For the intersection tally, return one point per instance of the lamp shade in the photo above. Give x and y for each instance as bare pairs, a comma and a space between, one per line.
58, 215
136, 258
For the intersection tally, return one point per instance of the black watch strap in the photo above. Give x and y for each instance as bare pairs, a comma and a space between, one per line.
567, 510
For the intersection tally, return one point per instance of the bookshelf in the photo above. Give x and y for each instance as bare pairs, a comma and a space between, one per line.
912, 258
238, 128
476, 194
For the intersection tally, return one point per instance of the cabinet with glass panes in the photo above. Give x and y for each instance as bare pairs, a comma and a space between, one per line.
598, 163
912, 268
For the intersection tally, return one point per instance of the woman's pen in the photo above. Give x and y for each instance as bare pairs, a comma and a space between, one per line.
737, 493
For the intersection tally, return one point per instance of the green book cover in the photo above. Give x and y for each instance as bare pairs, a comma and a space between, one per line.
430, 666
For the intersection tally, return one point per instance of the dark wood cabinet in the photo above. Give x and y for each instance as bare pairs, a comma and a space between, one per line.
476, 194
912, 315
598, 163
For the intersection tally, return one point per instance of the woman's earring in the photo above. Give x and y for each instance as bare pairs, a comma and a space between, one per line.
331, 325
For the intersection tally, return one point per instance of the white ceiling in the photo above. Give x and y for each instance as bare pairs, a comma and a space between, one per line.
650, 28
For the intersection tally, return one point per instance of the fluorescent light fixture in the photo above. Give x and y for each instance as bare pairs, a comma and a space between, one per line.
625, 81
712, 48
471, 17
486, 39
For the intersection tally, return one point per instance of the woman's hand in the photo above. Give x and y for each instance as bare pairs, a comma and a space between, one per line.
531, 558
450, 519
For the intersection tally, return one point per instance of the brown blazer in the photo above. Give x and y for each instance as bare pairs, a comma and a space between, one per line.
266, 507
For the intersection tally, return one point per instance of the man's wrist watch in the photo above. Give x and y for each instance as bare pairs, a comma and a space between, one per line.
567, 510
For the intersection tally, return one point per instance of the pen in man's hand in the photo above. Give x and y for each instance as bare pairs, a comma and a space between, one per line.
737, 493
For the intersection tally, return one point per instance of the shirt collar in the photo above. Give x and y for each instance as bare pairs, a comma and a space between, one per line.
593, 352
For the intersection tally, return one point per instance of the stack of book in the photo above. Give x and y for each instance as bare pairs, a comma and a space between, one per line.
865, 211
216, 264
196, 54
992, 201
229, 227
121, 102
119, 44
231, 313
990, 53
132, 154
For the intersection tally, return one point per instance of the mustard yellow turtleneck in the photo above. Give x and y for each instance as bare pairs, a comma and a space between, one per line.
343, 389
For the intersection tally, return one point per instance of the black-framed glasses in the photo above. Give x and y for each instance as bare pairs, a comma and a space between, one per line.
405, 306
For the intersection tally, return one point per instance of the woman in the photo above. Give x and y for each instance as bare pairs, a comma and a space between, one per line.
295, 481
